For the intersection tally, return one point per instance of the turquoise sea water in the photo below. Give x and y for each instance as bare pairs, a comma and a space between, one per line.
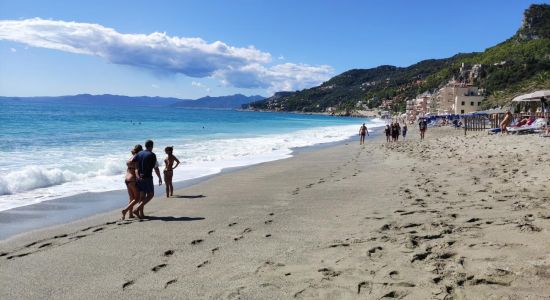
50, 150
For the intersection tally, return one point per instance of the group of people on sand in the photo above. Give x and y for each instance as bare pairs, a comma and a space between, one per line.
394, 130
139, 177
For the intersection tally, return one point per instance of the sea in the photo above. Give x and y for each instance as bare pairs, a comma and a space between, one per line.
51, 150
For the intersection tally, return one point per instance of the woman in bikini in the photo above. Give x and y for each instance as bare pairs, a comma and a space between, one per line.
169, 170
130, 180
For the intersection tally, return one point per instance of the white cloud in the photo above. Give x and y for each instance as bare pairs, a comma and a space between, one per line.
282, 77
155, 86
197, 84
243, 67
281, 57
13, 50
200, 86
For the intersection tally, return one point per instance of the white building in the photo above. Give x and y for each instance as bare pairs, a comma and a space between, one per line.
457, 98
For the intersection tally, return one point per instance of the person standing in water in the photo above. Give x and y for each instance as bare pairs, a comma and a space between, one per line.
169, 170
362, 132
404, 130
145, 161
387, 130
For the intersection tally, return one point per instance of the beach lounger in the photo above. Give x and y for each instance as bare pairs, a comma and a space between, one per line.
537, 125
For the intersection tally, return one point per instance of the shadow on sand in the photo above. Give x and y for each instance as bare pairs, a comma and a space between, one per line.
172, 219
189, 196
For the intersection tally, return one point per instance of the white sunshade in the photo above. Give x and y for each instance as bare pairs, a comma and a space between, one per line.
535, 96
540, 94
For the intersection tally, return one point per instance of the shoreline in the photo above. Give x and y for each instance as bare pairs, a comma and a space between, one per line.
57, 212
451, 217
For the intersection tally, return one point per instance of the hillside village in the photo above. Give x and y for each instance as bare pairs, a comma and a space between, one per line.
460, 84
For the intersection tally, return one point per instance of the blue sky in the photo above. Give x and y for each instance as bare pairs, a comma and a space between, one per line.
71, 47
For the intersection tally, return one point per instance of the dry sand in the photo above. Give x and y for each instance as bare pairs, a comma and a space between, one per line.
452, 217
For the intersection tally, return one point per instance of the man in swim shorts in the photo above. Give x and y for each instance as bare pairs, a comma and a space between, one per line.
362, 132
145, 162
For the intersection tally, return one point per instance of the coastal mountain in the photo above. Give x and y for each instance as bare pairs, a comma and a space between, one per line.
227, 102
223, 102
519, 64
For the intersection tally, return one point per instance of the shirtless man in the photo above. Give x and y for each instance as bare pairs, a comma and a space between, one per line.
169, 170
145, 161
362, 132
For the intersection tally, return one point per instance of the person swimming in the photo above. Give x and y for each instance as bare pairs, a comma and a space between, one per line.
169, 170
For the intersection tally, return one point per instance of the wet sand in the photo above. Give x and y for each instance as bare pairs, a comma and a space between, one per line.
452, 217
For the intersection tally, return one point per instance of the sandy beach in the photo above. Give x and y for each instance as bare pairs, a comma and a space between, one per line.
452, 217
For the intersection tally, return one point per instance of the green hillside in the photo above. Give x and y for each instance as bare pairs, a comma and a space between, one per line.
520, 64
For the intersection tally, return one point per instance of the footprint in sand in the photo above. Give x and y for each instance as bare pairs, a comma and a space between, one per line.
211, 231
196, 242
31, 244
45, 245
393, 274
158, 267
98, 229
268, 222
214, 250
168, 253
18, 255
127, 284
170, 282
232, 224
329, 273
204, 263
374, 250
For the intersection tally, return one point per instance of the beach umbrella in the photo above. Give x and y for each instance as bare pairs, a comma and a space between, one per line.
539, 94
521, 98
535, 96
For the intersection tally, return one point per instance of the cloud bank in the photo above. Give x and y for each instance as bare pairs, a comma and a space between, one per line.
242, 67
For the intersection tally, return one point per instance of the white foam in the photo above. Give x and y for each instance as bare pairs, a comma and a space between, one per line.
69, 172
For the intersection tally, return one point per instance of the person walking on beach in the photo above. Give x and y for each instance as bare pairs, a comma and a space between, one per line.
387, 130
130, 180
398, 131
404, 130
394, 133
506, 122
169, 170
362, 132
145, 161
422, 125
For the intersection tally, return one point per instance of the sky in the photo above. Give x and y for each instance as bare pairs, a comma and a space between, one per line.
191, 49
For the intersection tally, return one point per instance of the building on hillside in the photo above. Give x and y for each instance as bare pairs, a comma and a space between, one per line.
410, 110
419, 107
468, 102
457, 98
387, 104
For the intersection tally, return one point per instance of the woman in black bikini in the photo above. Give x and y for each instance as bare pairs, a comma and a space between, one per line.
130, 180
169, 170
